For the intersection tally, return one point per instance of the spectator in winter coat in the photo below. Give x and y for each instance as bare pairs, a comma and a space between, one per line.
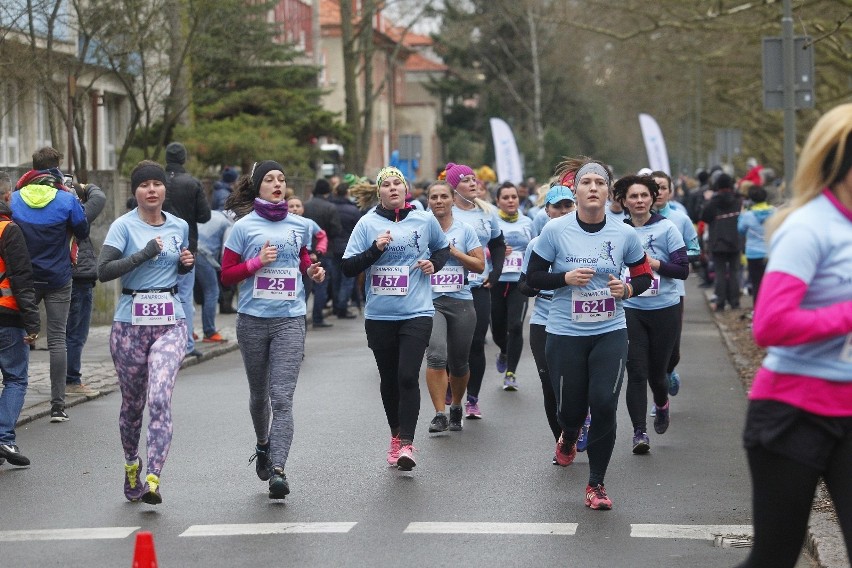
83, 278
721, 214
751, 225
222, 188
342, 285
19, 325
324, 213
47, 212
185, 198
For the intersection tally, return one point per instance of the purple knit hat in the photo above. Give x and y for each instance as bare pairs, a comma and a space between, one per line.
457, 171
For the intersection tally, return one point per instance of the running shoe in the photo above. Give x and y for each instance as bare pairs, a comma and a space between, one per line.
278, 485
406, 458
133, 488
471, 410
554, 462
456, 418
583, 439
79, 389
261, 461
641, 442
653, 411
215, 338
502, 363
58, 414
596, 498
151, 490
565, 455
439, 424
393, 451
510, 383
448, 399
661, 420
674, 383
11, 453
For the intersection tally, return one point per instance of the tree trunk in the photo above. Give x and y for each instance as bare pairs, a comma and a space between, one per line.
350, 87
538, 127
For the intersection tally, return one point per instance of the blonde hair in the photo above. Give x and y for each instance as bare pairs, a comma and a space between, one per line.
365, 194
820, 161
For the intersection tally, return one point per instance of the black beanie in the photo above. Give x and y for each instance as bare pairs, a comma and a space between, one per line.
144, 172
260, 170
322, 187
175, 153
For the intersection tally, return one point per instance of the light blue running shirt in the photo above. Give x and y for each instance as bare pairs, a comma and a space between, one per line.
814, 244
463, 237
487, 227
658, 240
541, 306
130, 234
687, 230
567, 246
517, 235
276, 290
395, 288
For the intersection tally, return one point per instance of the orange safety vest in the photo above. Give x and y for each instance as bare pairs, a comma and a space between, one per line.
7, 300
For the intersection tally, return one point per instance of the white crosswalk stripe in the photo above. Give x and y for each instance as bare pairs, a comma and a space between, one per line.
267, 528
67, 534
563, 529
698, 532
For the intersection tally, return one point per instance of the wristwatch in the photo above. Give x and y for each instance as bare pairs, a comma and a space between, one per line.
32, 336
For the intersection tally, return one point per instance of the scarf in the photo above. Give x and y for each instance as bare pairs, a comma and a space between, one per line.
508, 218
270, 211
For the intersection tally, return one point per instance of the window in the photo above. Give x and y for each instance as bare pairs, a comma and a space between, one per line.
9, 125
42, 125
112, 131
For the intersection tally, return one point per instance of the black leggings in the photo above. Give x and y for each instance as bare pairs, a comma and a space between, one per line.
587, 373
675, 358
482, 306
756, 269
398, 347
652, 335
727, 284
538, 339
508, 308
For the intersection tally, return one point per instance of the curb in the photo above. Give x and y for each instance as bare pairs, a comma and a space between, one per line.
42, 410
824, 541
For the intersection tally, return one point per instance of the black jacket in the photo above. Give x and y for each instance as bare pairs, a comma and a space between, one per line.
185, 198
13, 251
324, 213
721, 214
349, 215
86, 269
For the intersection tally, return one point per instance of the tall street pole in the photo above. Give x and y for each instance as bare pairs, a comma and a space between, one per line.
789, 97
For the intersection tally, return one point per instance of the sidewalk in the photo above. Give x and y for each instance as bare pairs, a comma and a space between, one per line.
98, 370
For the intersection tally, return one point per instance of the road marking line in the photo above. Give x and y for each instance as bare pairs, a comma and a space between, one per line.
67, 534
267, 528
700, 532
493, 528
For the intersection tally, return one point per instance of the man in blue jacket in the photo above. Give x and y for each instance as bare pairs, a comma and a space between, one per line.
50, 217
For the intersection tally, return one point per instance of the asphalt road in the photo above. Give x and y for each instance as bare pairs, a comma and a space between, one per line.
494, 480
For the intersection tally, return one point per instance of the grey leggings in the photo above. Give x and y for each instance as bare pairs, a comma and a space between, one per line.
272, 350
452, 333
57, 302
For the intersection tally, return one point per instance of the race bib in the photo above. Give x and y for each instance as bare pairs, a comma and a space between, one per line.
475, 279
846, 354
592, 306
448, 279
275, 284
513, 262
389, 280
153, 308
653, 290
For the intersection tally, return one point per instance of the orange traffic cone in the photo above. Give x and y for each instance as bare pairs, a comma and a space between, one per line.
144, 556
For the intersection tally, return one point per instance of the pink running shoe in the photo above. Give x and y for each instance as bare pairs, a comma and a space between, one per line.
596, 498
471, 410
564, 454
406, 462
393, 451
